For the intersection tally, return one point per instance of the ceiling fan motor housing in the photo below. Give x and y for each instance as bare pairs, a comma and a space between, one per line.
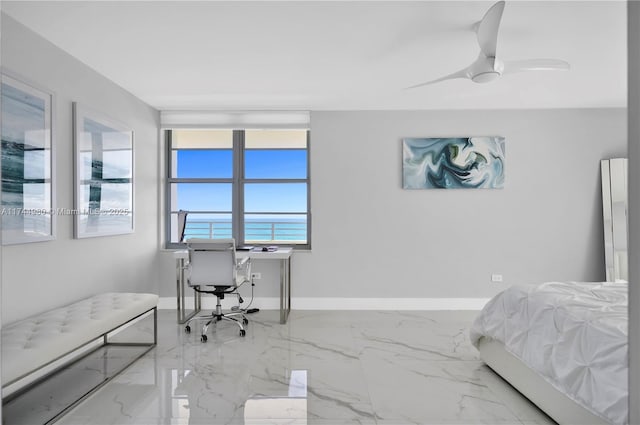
485, 69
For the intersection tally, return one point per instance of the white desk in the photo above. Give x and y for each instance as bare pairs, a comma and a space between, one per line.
282, 254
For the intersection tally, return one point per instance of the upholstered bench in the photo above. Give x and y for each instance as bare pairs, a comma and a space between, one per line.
31, 344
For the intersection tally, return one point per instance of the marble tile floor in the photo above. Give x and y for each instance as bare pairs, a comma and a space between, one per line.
362, 367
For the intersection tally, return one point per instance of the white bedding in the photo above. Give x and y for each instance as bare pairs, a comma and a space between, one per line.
573, 334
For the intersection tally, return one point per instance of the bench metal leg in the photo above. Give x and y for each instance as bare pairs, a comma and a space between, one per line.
105, 343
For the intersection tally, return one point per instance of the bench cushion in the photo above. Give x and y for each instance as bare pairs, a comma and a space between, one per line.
33, 342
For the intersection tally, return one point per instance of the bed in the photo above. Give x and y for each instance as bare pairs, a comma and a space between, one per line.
563, 345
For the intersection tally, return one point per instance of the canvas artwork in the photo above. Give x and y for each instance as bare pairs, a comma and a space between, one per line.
453, 163
104, 174
28, 196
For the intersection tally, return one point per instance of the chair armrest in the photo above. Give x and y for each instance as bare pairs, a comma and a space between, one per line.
186, 265
243, 267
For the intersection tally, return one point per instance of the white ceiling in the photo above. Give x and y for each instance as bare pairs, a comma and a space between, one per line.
337, 55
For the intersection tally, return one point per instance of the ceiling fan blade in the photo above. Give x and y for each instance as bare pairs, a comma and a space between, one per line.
511, 67
488, 29
463, 73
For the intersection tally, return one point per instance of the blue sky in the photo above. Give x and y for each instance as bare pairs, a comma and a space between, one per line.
259, 164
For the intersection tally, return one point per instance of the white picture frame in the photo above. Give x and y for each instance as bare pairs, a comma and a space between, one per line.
103, 174
27, 199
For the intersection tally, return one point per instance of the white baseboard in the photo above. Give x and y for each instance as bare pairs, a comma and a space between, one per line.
309, 303
209, 303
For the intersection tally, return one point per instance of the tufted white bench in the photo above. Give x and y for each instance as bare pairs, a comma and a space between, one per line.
31, 344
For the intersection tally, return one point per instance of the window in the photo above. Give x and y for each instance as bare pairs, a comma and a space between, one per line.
252, 185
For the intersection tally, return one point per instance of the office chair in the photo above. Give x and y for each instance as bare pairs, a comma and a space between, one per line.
182, 224
213, 269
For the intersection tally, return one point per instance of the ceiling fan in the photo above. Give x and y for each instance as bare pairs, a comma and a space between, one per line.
487, 67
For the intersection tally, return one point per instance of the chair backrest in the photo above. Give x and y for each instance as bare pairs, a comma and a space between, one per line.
182, 224
212, 262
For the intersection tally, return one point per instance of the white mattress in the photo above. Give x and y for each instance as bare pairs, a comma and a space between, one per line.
573, 334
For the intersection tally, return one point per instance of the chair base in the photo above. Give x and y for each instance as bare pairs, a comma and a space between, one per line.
216, 317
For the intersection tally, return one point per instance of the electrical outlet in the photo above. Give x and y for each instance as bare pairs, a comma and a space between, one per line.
256, 276
496, 278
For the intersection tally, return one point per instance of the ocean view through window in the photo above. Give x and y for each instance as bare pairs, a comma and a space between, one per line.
252, 185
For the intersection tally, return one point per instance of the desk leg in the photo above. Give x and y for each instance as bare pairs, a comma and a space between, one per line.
285, 289
180, 282
180, 289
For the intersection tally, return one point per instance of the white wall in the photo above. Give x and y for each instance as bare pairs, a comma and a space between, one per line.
372, 239
634, 210
42, 275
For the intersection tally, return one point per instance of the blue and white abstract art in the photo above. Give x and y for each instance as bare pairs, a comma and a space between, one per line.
453, 163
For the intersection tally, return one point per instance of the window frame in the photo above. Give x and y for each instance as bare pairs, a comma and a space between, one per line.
238, 182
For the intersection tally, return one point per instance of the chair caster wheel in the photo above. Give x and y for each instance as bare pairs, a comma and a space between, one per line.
243, 332
203, 338
187, 329
245, 321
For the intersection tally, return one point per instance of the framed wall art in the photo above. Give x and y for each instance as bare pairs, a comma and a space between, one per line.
104, 174
453, 163
27, 158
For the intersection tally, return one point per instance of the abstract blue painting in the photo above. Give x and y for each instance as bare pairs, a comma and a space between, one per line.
453, 163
